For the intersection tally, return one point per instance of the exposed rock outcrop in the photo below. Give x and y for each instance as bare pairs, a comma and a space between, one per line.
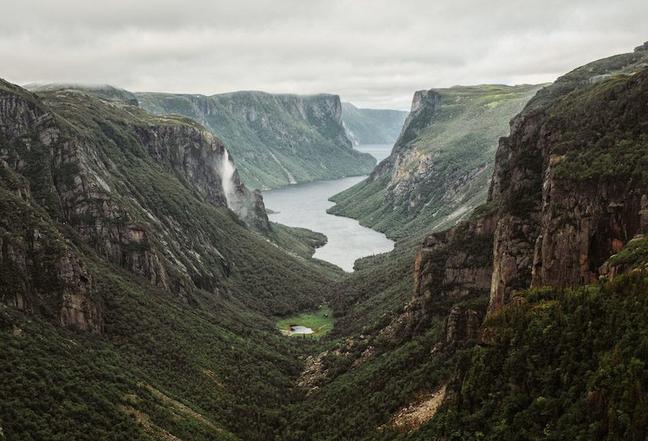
78, 309
40, 271
462, 324
82, 163
452, 269
566, 179
440, 165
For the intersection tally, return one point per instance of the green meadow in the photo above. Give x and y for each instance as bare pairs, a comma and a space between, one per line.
320, 321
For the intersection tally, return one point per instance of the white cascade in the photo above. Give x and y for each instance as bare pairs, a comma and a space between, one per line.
227, 178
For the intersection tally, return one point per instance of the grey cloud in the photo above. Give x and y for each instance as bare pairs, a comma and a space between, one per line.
373, 53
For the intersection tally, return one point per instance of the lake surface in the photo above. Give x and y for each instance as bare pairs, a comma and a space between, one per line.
305, 205
299, 329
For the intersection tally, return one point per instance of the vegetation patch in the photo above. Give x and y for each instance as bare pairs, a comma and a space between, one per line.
320, 321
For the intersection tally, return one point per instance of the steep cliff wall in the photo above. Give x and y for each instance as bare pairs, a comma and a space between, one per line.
439, 168
570, 179
452, 276
275, 139
85, 162
39, 270
114, 221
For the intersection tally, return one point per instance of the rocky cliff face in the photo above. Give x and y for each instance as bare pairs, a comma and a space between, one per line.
115, 221
570, 179
452, 274
83, 163
569, 192
441, 163
197, 157
276, 139
39, 270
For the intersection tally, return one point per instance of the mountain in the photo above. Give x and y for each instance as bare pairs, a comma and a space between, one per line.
439, 168
372, 126
568, 292
134, 303
526, 320
275, 139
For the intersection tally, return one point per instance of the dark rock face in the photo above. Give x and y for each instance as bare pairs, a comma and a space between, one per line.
462, 325
452, 268
194, 155
596, 223
569, 190
563, 210
76, 194
39, 270
78, 309
76, 159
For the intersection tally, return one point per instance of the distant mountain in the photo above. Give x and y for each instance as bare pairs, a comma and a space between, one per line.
103, 91
439, 168
372, 126
275, 139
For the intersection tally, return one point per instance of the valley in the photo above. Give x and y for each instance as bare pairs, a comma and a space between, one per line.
255, 266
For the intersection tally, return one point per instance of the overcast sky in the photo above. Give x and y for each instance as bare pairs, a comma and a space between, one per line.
373, 53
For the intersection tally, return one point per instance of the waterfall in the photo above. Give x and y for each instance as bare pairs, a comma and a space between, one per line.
227, 178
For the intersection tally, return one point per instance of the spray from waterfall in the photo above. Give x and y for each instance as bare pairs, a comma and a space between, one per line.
227, 178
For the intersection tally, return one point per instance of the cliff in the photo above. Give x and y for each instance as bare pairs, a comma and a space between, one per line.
276, 139
128, 288
81, 159
40, 272
372, 126
566, 281
529, 314
569, 183
439, 168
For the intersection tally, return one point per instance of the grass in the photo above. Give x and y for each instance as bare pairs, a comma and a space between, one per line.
320, 321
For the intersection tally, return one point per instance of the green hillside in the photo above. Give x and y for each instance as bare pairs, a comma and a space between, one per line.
439, 169
274, 139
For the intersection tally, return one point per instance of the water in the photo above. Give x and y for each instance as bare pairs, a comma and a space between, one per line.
299, 329
305, 205
378, 151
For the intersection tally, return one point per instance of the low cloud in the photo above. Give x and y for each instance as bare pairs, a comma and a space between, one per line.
373, 53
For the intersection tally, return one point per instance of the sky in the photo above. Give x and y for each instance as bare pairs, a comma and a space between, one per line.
372, 53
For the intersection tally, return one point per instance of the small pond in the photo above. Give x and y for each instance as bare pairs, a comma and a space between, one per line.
299, 329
